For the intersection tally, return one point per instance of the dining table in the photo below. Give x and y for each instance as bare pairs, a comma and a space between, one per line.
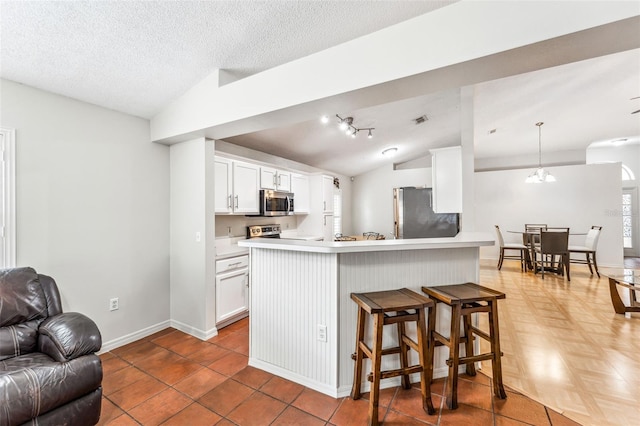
528, 240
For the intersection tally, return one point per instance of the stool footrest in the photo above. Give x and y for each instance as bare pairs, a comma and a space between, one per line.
470, 359
395, 373
480, 333
443, 341
367, 352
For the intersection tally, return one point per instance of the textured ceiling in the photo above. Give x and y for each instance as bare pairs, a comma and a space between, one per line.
137, 56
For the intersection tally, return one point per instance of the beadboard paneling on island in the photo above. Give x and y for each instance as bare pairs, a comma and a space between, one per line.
286, 312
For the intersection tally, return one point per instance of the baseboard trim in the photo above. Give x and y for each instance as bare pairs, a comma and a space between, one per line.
289, 375
132, 337
193, 331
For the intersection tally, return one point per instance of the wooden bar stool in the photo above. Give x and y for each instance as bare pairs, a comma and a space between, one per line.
464, 300
379, 304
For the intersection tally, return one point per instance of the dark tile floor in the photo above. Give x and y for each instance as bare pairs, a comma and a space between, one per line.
171, 378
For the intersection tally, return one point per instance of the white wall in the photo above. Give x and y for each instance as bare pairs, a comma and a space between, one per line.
629, 155
192, 258
92, 207
372, 196
582, 196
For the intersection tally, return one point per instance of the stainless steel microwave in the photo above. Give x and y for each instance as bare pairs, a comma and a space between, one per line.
275, 203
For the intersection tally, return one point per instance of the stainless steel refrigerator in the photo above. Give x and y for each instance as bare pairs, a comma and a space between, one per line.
414, 216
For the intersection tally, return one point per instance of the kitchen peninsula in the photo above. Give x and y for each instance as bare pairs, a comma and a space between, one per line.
303, 321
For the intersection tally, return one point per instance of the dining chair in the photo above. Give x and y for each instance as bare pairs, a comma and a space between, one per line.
588, 249
554, 243
521, 248
531, 236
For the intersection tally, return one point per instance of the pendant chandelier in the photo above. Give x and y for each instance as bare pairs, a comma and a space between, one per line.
540, 175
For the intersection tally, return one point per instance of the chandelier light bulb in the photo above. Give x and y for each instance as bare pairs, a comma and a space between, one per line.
324, 119
370, 135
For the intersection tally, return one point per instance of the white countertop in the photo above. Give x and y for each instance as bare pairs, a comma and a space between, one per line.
293, 235
462, 240
228, 247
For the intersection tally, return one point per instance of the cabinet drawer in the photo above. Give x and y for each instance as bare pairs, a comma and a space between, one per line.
231, 264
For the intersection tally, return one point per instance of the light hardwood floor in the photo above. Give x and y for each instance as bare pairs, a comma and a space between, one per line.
565, 347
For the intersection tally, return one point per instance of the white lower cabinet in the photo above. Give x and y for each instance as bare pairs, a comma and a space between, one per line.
232, 290
328, 233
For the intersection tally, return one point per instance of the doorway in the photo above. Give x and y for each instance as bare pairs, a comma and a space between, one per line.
630, 223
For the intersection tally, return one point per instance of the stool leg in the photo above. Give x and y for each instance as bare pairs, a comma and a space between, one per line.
454, 357
404, 348
468, 346
359, 355
496, 362
376, 361
431, 344
426, 363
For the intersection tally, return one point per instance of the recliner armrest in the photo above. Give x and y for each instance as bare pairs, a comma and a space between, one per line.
68, 335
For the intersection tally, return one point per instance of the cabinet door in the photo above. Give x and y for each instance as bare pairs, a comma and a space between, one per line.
232, 294
283, 180
327, 194
246, 184
447, 179
268, 179
327, 228
300, 189
223, 178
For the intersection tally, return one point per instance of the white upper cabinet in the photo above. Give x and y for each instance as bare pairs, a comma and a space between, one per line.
278, 180
223, 185
300, 189
447, 179
327, 194
236, 187
246, 184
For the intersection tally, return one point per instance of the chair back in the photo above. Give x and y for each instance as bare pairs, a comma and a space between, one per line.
554, 241
591, 242
500, 239
532, 233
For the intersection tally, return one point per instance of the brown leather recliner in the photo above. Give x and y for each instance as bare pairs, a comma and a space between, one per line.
49, 372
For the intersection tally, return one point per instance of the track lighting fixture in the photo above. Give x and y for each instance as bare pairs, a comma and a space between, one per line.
346, 125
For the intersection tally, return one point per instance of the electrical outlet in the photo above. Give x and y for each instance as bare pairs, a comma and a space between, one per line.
322, 333
114, 304
198, 237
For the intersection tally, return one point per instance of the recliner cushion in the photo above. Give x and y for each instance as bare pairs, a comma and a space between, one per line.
23, 306
36, 384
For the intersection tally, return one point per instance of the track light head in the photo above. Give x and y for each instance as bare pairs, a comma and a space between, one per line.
346, 125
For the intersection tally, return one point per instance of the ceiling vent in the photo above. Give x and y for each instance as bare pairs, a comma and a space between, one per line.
420, 119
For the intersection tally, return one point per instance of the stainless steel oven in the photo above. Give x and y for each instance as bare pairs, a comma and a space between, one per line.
263, 231
275, 203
